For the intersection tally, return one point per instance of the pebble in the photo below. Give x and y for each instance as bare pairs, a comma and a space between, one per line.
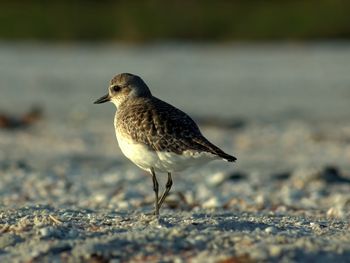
212, 203
52, 232
275, 250
46, 231
260, 200
259, 253
335, 212
317, 226
217, 178
271, 230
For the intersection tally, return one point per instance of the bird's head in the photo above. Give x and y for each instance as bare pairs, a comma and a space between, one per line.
124, 86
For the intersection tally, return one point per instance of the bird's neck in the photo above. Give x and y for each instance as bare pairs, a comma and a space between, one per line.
129, 102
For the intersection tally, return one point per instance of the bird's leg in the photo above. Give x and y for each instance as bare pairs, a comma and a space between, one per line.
155, 188
168, 185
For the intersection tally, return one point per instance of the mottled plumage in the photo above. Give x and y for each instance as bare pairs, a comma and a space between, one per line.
162, 127
155, 135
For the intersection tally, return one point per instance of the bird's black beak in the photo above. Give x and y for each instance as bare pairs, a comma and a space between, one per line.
103, 99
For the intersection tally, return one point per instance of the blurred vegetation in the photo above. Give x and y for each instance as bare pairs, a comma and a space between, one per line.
140, 21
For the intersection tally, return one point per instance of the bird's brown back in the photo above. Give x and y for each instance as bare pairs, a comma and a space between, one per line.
162, 127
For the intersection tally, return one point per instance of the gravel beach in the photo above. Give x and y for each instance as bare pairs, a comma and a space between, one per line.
69, 195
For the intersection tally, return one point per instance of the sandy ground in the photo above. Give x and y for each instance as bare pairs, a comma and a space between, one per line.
68, 195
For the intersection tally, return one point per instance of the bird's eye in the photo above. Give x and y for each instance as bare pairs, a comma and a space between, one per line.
116, 88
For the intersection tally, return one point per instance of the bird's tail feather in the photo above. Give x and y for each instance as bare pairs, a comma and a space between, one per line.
209, 147
227, 157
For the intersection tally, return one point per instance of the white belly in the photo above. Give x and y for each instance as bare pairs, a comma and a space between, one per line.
160, 161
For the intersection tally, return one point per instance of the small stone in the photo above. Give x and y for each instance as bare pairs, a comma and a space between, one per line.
46, 231
211, 203
331, 174
236, 176
216, 179
316, 226
281, 209
123, 204
271, 230
260, 200
99, 198
275, 251
335, 212
259, 253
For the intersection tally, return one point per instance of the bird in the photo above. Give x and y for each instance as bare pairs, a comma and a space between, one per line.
155, 135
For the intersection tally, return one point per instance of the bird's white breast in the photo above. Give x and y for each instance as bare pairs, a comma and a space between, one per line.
145, 158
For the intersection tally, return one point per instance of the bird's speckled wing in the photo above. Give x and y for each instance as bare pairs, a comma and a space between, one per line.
162, 127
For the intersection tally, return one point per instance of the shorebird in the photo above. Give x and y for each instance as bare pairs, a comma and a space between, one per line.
155, 135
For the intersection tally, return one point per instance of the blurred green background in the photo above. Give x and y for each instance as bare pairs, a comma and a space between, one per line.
145, 21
